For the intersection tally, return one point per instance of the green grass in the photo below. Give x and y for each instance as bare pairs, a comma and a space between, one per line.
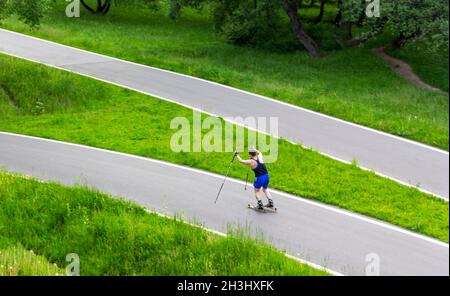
17, 261
351, 84
114, 237
63, 106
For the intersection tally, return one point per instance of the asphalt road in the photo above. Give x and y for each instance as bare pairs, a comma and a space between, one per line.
336, 239
406, 161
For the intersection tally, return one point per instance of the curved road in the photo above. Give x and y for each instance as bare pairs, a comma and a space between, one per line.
406, 161
321, 234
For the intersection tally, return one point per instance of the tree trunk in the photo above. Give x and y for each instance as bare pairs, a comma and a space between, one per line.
347, 28
338, 18
321, 13
361, 19
291, 7
376, 29
402, 39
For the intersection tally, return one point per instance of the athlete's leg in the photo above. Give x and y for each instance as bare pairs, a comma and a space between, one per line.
258, 199
257, 190
267, 193
257, 185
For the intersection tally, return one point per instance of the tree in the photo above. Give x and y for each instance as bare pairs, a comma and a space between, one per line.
29, 11
426, 20
248, 21
291, 8
277, 24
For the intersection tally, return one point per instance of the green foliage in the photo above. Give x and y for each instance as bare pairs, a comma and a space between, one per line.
242, 22
263, 23
411, 19
257, 23
251, 22
175, 6
351, 10
4, 9
29, 11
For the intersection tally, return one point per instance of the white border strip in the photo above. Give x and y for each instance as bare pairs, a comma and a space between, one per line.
302, 261
311, 264
314, 265
235, 89
227, 120
284, 194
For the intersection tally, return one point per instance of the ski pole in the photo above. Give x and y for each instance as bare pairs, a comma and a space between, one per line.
246, 181
226, 176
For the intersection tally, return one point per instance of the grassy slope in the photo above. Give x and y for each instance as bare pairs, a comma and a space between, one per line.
114, 237
17, 261
82, 110
351, 84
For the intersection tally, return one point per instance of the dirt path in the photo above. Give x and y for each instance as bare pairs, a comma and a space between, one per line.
404, 70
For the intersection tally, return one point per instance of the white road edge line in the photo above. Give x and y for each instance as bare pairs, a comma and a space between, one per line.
235, 89
302, 261
227, 120
284, 194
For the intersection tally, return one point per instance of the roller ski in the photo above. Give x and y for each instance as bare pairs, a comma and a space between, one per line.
263, 208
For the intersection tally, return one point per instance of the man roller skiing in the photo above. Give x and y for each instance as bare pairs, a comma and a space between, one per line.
256, 163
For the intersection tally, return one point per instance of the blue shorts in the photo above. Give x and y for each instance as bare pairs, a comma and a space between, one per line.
262, 181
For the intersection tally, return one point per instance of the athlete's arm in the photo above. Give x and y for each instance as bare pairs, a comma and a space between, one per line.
244, 161
260, 156
251, 163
